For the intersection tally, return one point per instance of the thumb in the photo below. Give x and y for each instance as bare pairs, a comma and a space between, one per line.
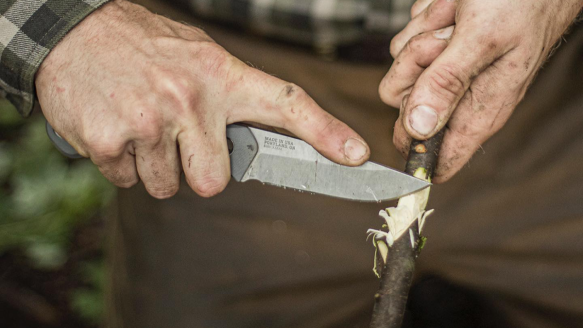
442, 85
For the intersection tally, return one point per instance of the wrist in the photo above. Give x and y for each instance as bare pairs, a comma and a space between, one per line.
93, 30
71, 40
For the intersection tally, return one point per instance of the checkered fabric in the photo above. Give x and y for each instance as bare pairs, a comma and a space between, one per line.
29, 29
320, 23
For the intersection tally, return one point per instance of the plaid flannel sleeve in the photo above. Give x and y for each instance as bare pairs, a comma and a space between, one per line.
320, 23
29, 29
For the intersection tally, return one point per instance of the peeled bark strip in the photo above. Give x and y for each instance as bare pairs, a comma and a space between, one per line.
399, 266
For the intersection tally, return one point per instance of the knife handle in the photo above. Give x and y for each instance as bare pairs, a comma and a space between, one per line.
243, 150
61, 144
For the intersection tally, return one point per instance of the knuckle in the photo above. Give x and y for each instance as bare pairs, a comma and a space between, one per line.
215, 60
173, 85
147, 124
151, 133
448, 82
176, 88
488, 42
440, 9
474, 131
390, 92
428, 11
386, 93
102, 149
291, 92
415, 8
396, 45
414, 43
292, 100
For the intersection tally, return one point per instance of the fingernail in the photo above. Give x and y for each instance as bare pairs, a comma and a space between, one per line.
423, 119
444, 34
354, 149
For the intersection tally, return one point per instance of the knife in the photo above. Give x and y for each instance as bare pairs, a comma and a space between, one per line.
288, 162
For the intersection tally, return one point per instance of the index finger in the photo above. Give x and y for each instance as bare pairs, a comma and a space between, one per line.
269, 100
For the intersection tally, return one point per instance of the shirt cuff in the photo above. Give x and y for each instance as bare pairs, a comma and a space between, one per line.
28, 31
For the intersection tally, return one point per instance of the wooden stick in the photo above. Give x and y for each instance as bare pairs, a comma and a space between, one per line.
397, 272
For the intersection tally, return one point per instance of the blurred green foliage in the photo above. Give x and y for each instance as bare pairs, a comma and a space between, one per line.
44, 197
88, 302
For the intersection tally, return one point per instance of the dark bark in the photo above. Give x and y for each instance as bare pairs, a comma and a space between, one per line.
397, 273
424, 154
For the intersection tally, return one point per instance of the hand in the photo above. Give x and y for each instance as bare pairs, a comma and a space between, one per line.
144, 96
465, 65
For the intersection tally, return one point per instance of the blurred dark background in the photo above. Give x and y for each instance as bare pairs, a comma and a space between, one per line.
52, 267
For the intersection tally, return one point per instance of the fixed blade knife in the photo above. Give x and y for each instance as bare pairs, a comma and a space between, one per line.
288, 162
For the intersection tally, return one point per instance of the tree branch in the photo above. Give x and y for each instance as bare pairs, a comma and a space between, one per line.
399, 263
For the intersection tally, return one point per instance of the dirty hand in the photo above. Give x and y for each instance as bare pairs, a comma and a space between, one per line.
144, 96
465, 65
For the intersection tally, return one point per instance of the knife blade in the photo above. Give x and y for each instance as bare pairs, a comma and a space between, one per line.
288, 162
